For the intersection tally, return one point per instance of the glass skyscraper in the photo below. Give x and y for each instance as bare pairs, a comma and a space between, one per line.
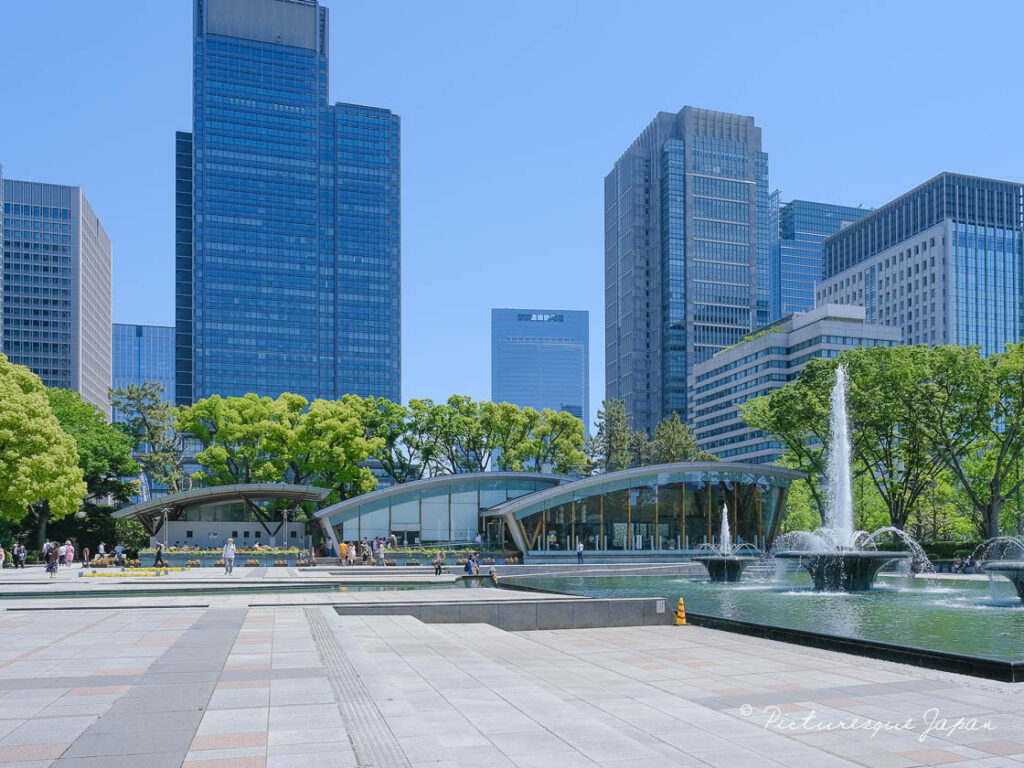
944, 263
687, 251
143, 354
795, 267
540, 359
57, 287
287, 234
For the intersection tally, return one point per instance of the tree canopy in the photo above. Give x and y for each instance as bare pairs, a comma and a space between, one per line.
38, 459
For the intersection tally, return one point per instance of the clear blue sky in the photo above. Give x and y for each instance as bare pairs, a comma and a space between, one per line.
512, 114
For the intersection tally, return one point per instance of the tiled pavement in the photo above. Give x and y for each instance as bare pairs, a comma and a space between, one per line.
234, 685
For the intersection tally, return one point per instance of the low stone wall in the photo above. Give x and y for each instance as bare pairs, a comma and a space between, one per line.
180, 559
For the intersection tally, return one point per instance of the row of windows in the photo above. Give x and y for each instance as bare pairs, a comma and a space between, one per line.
37, 210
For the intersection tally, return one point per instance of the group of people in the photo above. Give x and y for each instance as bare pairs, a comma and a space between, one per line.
56, 555
18, 555
964, 565
375, 548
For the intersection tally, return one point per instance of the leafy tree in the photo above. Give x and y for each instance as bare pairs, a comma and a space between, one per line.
38, 459
460, 441
801, 511
610, 447
245, 439
149, 421
674, 441
974, 415
556, 439
508, 429
329, 448
407, 451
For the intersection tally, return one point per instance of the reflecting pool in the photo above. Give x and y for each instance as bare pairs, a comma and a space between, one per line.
975, 618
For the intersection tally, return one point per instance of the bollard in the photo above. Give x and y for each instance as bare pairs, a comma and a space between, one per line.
680, 614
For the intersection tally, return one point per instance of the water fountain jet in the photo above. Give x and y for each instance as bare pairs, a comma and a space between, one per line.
724, 563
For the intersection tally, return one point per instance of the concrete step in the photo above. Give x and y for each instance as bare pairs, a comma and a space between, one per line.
497, 714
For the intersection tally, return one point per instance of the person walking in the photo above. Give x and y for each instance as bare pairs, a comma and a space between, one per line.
69, 553
579, 551
229, 557
62, 552
158, 561
85, 556
3, 556
438, 562
52, 557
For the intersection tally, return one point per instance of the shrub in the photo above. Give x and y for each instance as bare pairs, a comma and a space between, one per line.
219, 563
194, 563
280, 563
252, 563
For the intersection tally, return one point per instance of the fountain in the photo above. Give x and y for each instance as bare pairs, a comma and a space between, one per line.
724, 563
836, 556
1010, 559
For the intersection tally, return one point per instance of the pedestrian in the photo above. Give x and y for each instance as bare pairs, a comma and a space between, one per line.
52, 561
365, 551
85, 556
100, 551
3, 556
20, 555
158, 561
579, 551
437, 565
229, 557
69, 554
62, 553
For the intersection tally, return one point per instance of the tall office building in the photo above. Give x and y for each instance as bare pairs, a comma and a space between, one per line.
57, 288
540, 359
687, 246
795, 268
143, 354
288, 263
944, 263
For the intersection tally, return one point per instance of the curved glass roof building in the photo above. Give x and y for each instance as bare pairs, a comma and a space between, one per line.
668, 509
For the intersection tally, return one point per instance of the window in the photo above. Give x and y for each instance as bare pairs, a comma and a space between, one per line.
188, 534
294, 534
256, 534
234, 534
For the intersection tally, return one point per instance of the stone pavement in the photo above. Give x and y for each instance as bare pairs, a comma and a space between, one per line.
236, 682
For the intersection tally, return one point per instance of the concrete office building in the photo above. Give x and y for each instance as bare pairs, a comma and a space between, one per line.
943, 263
687, 246
800, 227
143, 354
287, 216
768, 361
539, 359
57, 288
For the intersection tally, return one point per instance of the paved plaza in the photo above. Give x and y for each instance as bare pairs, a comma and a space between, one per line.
276, 679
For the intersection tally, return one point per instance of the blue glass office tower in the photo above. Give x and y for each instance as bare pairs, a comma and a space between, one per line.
944, 263
289, 279
540, 359
687, 250
795, 267
143, 354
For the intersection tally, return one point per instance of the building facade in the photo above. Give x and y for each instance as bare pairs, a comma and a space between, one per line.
687, 251
57, 287
287, 216
143, 354
540, 359
768, 361
943, 263
795, 267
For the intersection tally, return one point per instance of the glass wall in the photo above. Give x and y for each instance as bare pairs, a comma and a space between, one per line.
661, 512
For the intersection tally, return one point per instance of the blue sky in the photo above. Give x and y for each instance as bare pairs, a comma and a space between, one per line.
512, 114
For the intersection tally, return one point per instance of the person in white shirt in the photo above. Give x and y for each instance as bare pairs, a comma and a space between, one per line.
229, 557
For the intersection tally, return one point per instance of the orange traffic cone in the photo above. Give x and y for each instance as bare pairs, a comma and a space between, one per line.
680, 613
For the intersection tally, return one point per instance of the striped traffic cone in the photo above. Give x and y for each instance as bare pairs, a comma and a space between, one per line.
680, 614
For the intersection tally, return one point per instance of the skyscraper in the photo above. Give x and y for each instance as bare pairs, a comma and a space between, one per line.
57, 288
143, 354
944, 263
687, 247
540, 359
288, 263
795, 268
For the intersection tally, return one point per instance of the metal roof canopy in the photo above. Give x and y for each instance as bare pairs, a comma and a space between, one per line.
151, 513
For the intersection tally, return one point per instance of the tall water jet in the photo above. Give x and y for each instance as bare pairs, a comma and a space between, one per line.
1004, 556
723, 562
834, 562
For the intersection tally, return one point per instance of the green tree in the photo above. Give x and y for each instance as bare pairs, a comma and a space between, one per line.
556, 439
245, 439
38, 459
407, 450
508, 429
801, 511
329, 448
149, 421
674, 441
974, 415
609, 449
